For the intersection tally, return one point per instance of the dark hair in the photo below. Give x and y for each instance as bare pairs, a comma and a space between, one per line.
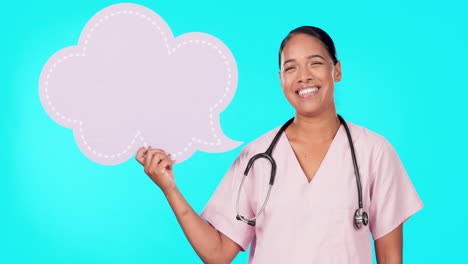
314, 32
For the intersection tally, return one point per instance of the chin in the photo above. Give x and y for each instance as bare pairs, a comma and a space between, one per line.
307, 113
310, 109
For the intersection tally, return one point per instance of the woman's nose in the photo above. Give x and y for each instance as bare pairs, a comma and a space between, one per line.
305, 75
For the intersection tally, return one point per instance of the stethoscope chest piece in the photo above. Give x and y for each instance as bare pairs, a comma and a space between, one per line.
360, 218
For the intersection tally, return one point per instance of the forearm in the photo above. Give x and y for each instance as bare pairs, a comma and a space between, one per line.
389, 249
390, 259
205, 240
211, 245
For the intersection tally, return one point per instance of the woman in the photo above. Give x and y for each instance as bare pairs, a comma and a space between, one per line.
309, 214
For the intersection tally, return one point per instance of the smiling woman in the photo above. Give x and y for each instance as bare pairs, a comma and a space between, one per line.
308, 74
309, 215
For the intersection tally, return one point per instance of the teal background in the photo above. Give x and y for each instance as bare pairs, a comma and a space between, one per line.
404, 76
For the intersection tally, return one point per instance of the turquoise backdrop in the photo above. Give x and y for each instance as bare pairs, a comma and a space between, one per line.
404, 76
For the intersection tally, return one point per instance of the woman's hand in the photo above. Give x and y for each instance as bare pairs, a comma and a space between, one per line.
158, 166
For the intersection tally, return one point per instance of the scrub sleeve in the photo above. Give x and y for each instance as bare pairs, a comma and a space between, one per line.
220, 211
393, 198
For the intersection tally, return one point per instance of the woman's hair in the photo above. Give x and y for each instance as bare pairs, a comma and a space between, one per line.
314, 32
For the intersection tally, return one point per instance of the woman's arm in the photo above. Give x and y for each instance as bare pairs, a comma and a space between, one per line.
211, 245
389, 248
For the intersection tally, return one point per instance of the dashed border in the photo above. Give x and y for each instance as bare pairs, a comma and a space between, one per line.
188, 145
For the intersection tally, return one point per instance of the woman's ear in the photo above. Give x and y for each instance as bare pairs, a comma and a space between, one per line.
337, 73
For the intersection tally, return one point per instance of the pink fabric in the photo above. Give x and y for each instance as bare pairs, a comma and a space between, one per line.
313, 222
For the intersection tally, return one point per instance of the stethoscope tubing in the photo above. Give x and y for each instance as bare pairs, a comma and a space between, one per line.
360, 216
353, 157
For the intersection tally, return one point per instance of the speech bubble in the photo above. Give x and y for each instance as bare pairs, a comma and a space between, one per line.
129, 83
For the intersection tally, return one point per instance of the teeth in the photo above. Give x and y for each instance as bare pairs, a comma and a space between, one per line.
308, 90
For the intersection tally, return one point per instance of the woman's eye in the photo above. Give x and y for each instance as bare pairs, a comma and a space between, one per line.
288, 69
315, 63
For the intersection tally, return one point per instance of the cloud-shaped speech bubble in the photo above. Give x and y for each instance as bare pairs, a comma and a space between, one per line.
129, 83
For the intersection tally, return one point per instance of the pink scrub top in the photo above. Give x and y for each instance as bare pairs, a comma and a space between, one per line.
312, 222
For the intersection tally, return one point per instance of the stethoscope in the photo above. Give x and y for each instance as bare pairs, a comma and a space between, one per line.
360, 216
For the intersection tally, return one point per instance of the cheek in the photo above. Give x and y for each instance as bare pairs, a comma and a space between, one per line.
287, 80
286, 86
326, 77
283, 83
332, 74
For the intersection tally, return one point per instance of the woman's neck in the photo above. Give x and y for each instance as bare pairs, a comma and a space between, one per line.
319, 128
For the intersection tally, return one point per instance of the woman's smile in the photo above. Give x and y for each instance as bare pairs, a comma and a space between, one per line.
308, 91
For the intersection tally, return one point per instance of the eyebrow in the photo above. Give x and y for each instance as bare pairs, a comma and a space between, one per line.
308, 57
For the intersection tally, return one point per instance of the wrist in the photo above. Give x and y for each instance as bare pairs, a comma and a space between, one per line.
170, 191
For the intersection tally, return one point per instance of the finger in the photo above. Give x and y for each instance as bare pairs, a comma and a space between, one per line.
156, 152
144, 154
171, 157
148, 157
163, 166
153, 157
153, 166
148, 160
166, 164
157, 157
140, 155
153, 151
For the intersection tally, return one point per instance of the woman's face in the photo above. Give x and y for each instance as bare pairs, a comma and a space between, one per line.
308, 75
